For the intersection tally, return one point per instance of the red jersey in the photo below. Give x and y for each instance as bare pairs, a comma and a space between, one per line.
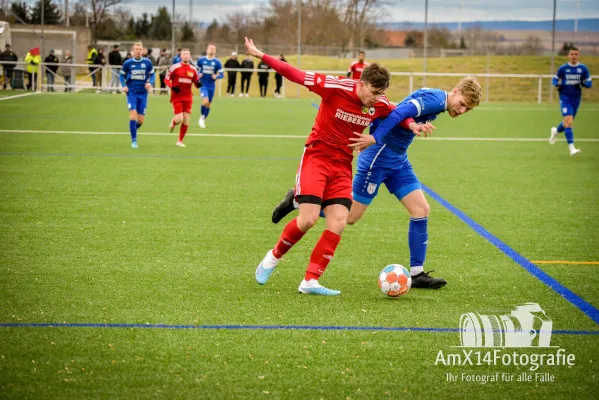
341, 112
183, 76
356, 68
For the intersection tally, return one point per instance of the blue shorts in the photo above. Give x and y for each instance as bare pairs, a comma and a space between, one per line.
137, 102
568, 106
399, 181
207, 92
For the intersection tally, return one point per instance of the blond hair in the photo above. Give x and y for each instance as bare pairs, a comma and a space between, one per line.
138, 44
471, 90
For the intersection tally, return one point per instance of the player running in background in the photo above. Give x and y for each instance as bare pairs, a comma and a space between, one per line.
137, 78
569, 80
386, 161
356, 68
180, 78
210, 69
323, 178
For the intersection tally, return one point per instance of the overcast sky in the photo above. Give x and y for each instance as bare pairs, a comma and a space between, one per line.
402, 10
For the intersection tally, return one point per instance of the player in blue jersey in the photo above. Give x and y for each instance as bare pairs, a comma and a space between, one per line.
569, 80
210, 69
383, 160
137, 78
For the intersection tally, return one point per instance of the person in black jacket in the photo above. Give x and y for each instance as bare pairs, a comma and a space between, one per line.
232, 75
248, 64
279, 79
51, 65
8, 55
100, 60
263, 77
116, 61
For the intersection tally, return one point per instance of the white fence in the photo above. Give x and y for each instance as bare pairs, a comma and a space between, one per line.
106, 78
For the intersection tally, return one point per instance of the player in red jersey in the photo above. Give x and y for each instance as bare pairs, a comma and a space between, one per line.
324, 176
356, 68
180, 78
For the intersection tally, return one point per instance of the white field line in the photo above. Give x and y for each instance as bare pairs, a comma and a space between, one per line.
235, 135
18, 95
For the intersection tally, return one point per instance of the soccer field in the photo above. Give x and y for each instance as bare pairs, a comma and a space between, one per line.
130, 273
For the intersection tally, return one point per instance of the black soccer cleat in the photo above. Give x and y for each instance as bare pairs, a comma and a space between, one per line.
424, 281
284, 207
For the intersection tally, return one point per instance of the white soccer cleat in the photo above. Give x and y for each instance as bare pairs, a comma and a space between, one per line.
313, 287
247, 95
240, 94
180, 144
574, 151
266, 267
202, 122
553, 137
171, 126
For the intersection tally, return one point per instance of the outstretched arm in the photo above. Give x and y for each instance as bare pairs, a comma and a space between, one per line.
293, 74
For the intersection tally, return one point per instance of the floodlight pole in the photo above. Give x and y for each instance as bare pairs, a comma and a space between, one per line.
173, 31
299, 40
553, 46
425, 39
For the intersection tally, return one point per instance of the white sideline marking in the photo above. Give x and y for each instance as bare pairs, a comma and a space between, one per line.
18, 95
235, 135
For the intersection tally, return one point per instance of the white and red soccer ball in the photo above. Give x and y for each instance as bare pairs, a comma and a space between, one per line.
395, 280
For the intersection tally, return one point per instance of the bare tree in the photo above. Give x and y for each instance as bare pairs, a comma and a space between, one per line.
99, 11
357, 16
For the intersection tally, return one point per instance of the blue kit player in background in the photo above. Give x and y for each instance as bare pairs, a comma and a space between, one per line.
569, 80
137, 78
383, 160
210, 69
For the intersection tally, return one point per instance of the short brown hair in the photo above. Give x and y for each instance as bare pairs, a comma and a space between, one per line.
471, 90
377, 75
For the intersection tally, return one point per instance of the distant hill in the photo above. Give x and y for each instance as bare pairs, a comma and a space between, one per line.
565, 25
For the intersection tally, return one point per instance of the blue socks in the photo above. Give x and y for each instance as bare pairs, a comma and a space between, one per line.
418, 241
569, 135
133, 130
139, 124
560, 127
205, 111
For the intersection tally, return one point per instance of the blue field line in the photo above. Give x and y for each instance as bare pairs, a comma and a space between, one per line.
535, 271
191, 157
262, 327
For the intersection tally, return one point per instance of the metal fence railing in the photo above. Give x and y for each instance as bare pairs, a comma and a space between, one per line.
105, 79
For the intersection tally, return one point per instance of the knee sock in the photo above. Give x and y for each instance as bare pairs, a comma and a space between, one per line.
133, 129
569, 135
182, 131
290, 236
322, 254
417, 242
560, 127
139, 124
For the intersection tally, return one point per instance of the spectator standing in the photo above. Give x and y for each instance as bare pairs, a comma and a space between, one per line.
232, 63
246, 76
116, 61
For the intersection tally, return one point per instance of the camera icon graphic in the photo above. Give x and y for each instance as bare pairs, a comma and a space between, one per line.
526, 326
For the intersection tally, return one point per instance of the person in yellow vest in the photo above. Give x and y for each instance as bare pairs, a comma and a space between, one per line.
92, 53
32, 61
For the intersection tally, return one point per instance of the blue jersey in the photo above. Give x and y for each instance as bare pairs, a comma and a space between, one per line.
392, 141
207, 67
571, 78
136, 72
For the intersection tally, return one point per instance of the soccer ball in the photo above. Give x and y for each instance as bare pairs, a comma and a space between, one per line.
395, 280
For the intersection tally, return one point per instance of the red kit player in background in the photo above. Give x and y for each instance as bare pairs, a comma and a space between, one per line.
324, 176
180, 78
356, 68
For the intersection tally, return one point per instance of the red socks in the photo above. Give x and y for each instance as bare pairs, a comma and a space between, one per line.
322, 254
182, 131
290, 236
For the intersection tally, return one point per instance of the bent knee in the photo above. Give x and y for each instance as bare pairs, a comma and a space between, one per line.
306, 222
421, 211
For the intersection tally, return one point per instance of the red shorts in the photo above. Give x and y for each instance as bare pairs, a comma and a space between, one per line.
182, 107
324, 173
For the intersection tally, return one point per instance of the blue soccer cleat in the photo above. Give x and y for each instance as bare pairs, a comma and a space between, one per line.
266, 267
134, 145
313, 287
